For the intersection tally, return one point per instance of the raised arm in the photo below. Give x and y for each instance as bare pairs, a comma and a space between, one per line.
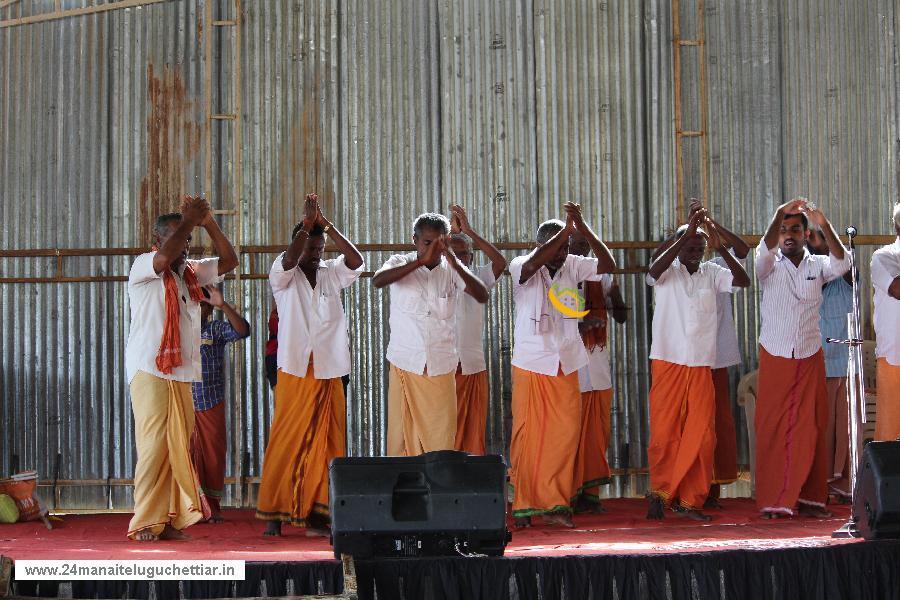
474, 286
835, 247
194, 211
664, 260
774, 231
547, 251
352, 258
605, 261
619, 308
461, 221
240, 324
731, 239
295, 249
228, 258
739, 275
389, 276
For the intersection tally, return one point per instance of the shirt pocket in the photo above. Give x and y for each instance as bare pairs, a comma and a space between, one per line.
809, 285
330, 307
703, 309
445, 307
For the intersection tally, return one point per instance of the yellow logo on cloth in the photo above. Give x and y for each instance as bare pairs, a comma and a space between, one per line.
567, 301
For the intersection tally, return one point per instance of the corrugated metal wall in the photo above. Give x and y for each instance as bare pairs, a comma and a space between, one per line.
388, 109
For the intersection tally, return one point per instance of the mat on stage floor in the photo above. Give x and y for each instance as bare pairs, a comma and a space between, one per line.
617, 554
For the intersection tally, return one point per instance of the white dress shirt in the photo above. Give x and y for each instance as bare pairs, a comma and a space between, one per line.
728, 350
791, 297
311, 321
596, 374
885, 268
423, 317
683, 330
545, 339
470, 325
147, 296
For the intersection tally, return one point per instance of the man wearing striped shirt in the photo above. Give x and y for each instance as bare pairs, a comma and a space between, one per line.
792, 403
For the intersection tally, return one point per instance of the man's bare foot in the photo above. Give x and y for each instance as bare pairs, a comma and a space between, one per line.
145, 535
563, 519
583, 505
816, 512
170, 533
771, 514
318, 532
690, 513
216, 518
273, 529
521, 522
712, 503
655, 508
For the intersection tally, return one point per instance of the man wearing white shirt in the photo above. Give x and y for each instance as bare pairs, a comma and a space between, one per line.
162, 359
595, 382
471, 373
309, 425
886, 281
682, 397
548, 351
422, 349
792, 402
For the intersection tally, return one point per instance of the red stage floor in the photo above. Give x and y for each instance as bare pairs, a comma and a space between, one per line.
622, 530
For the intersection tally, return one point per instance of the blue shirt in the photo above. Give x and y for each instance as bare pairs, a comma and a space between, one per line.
214, 334
837, 302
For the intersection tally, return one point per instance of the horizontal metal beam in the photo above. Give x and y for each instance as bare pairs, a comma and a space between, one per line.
76, 12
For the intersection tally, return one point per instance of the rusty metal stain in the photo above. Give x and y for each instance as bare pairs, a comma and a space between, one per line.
174, 139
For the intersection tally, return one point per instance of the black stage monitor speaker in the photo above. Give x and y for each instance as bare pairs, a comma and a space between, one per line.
876, 503
438, 504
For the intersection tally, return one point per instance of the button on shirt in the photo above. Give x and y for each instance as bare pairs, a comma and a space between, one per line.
311, 322
545, 339
423, 317
596, 374
147, 295
214, 335
885, 268
684, 303
728, 350
791, 296
470, 325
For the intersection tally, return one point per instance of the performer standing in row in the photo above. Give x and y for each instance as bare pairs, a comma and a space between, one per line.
162, 358
309, 426
425, 288
471, 372
792, 401
548, 351
886, 281
682, 396
601, 296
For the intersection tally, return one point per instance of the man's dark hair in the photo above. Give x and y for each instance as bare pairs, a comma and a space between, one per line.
548, 229
163, 221
317, 231
434, 221
803, 219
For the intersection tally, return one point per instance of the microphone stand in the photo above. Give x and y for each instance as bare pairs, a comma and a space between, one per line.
856, 395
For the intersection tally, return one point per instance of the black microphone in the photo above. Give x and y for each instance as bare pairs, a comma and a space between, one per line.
851, 231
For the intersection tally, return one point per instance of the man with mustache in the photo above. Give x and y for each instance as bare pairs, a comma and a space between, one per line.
309, 426
162, 359
792, 401
682, 396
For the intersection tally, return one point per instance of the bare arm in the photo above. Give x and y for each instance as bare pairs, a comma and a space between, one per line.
731, 239
194, 211
498, 261
619, 308
295, 249
352, 258
665, 260
389, 276
474, 286
546, 252
835, 247
774, 230
739, 275
605, 261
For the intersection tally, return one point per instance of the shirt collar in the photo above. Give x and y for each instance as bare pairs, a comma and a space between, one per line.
779, 255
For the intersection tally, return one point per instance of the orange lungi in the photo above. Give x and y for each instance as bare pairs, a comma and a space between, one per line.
791, 423
682, 433
471, 411
308, 430
591, 467
546, 414
725, 457
208, 453
887, 410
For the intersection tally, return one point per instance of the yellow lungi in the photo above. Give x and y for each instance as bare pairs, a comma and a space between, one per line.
421, 412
